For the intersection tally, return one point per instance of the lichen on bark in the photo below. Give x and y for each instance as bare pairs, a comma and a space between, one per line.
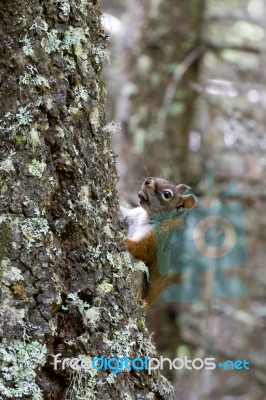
61, 236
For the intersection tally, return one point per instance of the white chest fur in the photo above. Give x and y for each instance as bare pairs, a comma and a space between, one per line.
137, 221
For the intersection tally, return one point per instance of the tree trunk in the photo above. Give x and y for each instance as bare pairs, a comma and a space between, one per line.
64, 276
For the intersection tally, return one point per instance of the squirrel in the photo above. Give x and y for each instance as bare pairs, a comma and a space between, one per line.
157, 195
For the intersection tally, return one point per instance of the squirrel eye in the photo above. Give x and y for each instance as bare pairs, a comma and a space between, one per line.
167, 194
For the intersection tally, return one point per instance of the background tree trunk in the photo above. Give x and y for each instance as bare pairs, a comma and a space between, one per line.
64, 280
163, 52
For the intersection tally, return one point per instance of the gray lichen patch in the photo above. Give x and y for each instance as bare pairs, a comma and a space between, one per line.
9, 273
10, 315
51, 43
33, 229
7, 164
18, 367
36, 168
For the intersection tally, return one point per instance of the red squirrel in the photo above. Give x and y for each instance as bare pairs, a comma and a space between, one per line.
156, 196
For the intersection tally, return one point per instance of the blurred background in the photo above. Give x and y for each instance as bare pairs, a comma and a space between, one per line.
186, 83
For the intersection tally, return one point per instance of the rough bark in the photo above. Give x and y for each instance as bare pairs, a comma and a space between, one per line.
64, 280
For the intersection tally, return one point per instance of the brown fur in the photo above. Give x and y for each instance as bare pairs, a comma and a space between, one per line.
144, 247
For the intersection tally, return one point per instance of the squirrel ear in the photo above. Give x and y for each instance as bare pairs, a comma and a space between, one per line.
182, 188
189, 201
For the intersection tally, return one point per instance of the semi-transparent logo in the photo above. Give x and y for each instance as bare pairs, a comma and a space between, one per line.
209, 237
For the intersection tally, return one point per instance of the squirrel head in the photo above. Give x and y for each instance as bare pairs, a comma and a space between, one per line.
158, 195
